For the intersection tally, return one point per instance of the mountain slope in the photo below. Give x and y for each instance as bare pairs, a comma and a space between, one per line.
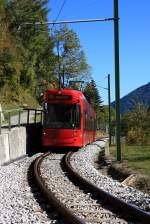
141, 94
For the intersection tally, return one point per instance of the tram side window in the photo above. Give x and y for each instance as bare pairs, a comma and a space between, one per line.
89, 118
91, 123
88, 122
77, 116
94, 121
95, 124
85, 120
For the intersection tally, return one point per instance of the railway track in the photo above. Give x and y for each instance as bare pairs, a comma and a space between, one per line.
73, 203
127, 209
37, 191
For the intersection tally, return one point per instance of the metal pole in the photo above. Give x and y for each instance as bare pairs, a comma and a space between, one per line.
19, 117
117, 79
35, 116
59, 64
28, 116
109, 101
41, 117
9, 120
63, 77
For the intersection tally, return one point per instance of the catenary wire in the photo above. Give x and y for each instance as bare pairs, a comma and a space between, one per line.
60, 11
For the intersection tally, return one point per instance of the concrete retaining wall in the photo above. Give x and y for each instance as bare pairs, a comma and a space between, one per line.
20, 141
17, 142
4, 148
12, 144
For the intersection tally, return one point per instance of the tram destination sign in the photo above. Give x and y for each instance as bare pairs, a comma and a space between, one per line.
59, 97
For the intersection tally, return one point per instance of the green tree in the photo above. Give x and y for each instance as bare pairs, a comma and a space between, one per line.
72, 60
28, 55
92, 95
135, 124
10, 58
38, 57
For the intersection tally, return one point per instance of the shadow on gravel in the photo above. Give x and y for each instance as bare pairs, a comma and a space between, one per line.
44, 205
58, 150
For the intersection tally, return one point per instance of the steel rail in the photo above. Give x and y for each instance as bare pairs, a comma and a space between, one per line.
64, 212
128, 209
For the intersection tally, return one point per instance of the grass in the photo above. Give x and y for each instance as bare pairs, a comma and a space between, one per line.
138, 157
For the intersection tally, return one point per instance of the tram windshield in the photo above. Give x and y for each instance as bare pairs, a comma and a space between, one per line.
67, 116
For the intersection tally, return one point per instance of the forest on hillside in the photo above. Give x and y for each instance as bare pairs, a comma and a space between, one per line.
141, 94
33, 57
28, 53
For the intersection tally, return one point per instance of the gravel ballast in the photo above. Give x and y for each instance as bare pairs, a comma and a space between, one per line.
79, 202
17, 202
83, 162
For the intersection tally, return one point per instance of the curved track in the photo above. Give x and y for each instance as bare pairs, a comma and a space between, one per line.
126, 208
68, 216
71, 209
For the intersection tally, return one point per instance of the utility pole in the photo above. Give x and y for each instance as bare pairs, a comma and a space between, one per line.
109, 109
59, 66
63, 77
117, 79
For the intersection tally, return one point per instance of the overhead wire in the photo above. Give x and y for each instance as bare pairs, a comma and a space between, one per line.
55, 20
59, 12
64, 2
58, 15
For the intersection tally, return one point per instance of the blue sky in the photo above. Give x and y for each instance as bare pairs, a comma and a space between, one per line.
97, 40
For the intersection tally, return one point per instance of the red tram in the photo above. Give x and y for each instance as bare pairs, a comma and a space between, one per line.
69, 120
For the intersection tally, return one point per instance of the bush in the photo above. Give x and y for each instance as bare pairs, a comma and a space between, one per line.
137, 136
